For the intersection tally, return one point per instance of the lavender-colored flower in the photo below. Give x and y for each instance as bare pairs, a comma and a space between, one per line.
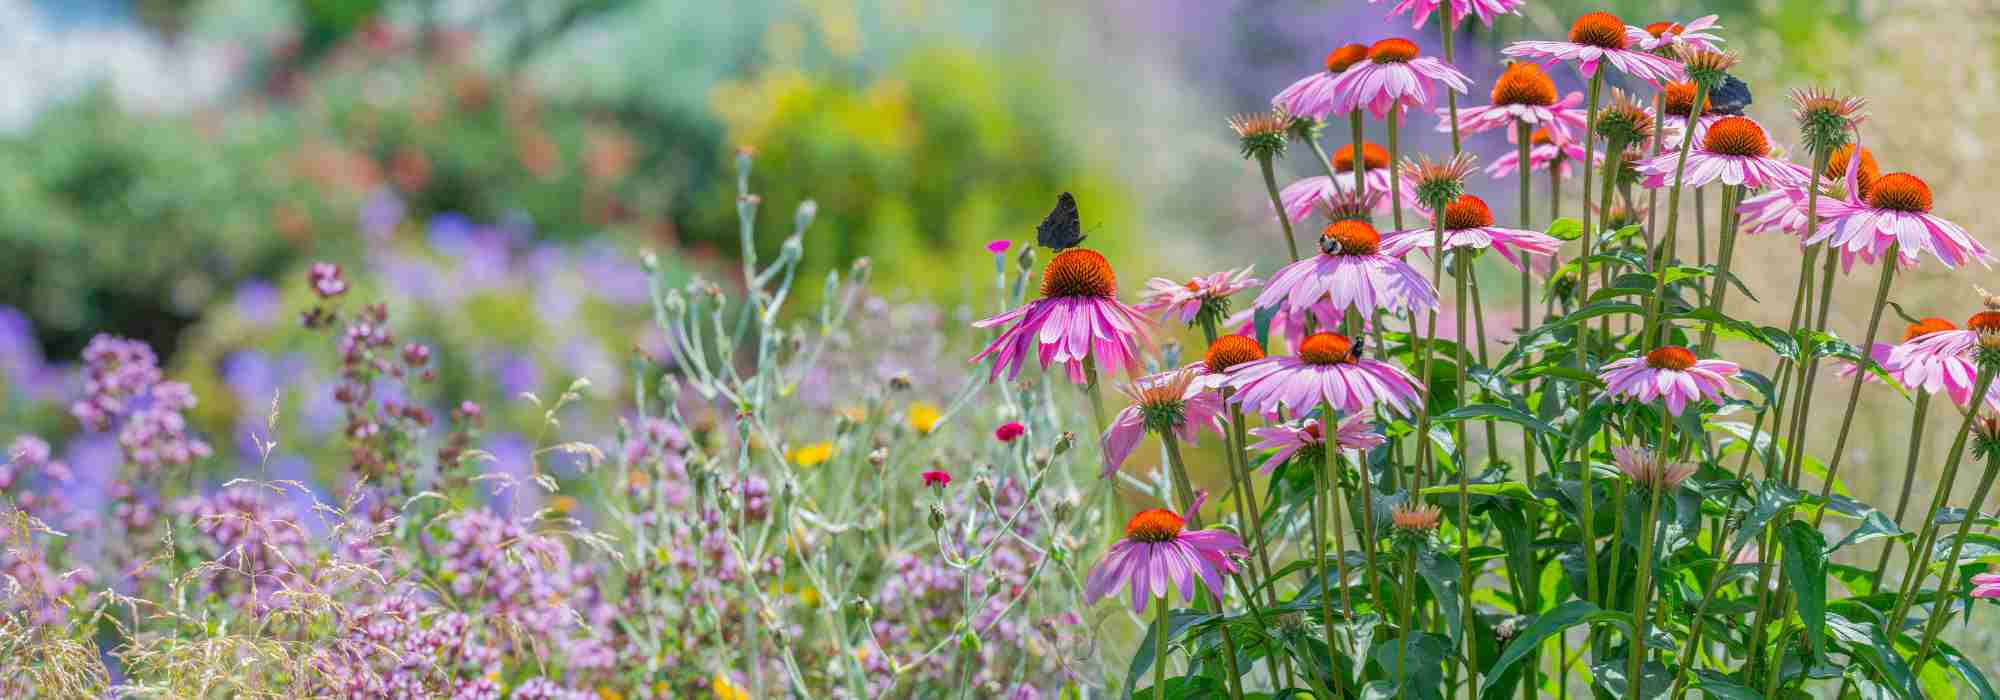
1468, 224
1599, 37
1168, 402
1079, 317
1543, 152
1328, 369
1648, 468
1420, 10
1733, 151
1158, 552
1662, 35
1896, 211
1353, 273
1289, 439
1394, 77
1671, 373
1184, 301
1312, 97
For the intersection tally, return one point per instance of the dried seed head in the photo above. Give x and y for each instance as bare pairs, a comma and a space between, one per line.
1625, 120
1826, 120
1261, 134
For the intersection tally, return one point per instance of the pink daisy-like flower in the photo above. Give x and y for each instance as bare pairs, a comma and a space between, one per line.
1599, 37
1290, 438
1648, 468
1941, 361
1079, 316
1305, 194
1671, 373
1678, 99
1353, 273
1170, 401
1661, 35
1523, 94
1183, 301
1782, 210
1928, 378
1312, 96
1543, 151
1986, 585
1897, 211
1732, 151
1394, 77
1468, 223
1159, 552
1420, 10
1328, 369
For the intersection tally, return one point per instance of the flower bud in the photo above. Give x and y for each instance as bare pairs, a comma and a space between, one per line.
984, 484
968, 642
1063, 443
1026, 260
937, 517
878, 456
859, 607
1064, 508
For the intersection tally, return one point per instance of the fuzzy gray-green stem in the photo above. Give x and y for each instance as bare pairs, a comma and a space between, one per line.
1271, 186
1587, 534
1360, 163
1889, 264
1647, 338
1732, 195
1909, 477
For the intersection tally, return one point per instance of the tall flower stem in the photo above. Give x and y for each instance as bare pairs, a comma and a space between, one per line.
1395, 180
1160, 649
1587, 534
1948, 585
1328, 421
1463, 268
1889, 265
1271, 186
1360, 163
1658, 301
1184, 489
1446, 26
1642, 592
1732, 195
1909, 477
1921, 552
1093, 393
1700, 231
1319, 559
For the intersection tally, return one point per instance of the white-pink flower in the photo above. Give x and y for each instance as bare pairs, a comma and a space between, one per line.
1353, 273
1328, 370
1183, 301
1288, 439
1600, 37
1733, 151
1468, 224
1168, 402
1660, 35
1312, 96
1897, 212
1420, 10
1670, 373
1394, 77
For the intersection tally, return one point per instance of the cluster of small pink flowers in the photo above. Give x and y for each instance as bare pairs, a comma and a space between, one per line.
123, 384
257, 539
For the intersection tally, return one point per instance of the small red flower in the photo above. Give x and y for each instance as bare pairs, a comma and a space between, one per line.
1008, 431
938, 478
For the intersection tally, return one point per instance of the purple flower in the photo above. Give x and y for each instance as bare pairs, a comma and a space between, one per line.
1158, 552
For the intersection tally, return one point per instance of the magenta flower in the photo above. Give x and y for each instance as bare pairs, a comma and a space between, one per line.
1986, 585
936, 479
1733, 151
1468, 224
1394, 77
1312, 96
1599, 37
1009, 431
1420, 10
1290, 438
1523, 94
1339, 195
1158, 552
1353, 273
1543, 151
1328, 369
1168, 402
999, 246
1079, 316
1897, 211
1662, 35
1670, 373
1941, 361
1183, 301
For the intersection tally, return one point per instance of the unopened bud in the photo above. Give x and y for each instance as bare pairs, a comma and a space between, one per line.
1042, 459
859, 607
937, 517
878, 456
984, 484
1064, 508
1026, 260
968, 642
1063, 443
807, 210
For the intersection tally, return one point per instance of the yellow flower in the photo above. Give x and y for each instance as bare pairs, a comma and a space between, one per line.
924, 417
605, 692
812, 455
562, 504
854, 414
809, 596
725, 690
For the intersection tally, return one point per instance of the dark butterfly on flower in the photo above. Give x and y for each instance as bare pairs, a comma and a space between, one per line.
1062, 228
1731, 97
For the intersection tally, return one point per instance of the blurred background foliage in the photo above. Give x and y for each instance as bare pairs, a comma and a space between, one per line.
491, 166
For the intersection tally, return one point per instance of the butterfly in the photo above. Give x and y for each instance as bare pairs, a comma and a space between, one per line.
1731, 97
1062, 227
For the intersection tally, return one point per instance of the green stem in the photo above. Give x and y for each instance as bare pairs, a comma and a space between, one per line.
1642, 593
1395, 182
1920, 559
1909, 477
1889, 264
1653, 308
1463, 267
1160, 650
1948, 585
1271, 186
1731, 196
1360, 163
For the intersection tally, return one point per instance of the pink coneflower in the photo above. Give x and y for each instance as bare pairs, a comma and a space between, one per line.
1353, 273
1394, 77
1661, 35
937, 479
1896, 211
1159, 551
1595, 37
1523, 94
1009, 431
1733, 151
1784, 209
1543, 151
1468, 224
1079, 316
1648, 468
1226, 352
1291, 438
1290, 326
1671, 373
1986, 585
1420, 10
1312, 96
1928, 375
1306, 194
1943, 360
1328, 369
1184, 301
1168, 402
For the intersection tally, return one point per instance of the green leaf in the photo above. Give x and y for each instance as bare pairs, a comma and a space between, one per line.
1773, 497
1805, 565
1722, 687
1494, 410
1967, 670
1504, 489
1874, 525
1177, 623
1566, 228
1441, 575
1262, 321
1565, 616
1867, 643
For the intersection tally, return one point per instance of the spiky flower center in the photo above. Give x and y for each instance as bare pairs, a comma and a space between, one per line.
1339, 59
1680, 99
1599, 29
1419, 519
1372, 157
1625, 120
1541, 137
1262, 134
1350, 237
1864, 179
1154, 525
1673, 357
1524, 84
1231, 350
1467, 212
1660, 29
1327, 349
1736, 136
1900, 192
1926, 326
1984, 322
1079, 272
1393, 51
